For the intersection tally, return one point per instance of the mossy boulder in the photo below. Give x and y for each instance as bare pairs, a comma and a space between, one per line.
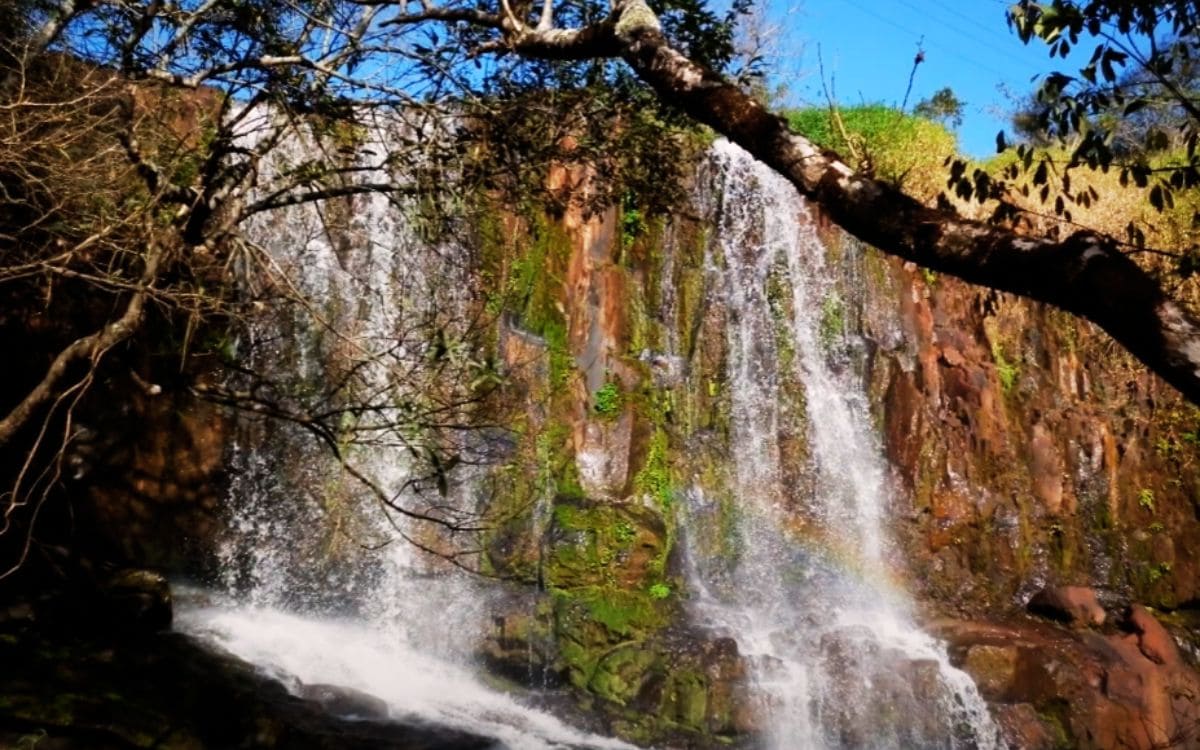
657, 683
597, 545
620, 674
693, 693
589, 624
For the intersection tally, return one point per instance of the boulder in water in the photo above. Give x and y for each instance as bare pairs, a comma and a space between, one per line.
345, 702
135, 599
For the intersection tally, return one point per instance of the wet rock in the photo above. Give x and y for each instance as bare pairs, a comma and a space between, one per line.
519, 646
876, 695
1073, 605
924, 678
135, 599
345, 701
1025, 729
729, 710
994, 669
1153, 639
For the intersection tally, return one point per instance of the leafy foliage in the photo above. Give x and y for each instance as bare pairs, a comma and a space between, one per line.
1133, 107
888, 143
607, 400
944, 106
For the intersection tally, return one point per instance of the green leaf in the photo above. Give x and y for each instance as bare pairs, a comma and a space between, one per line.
1156, 197
1135, 105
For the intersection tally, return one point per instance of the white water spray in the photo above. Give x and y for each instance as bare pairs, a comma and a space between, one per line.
836, 656
417, 686
324, 586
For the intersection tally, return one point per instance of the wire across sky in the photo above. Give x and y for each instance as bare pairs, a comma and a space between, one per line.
867, 47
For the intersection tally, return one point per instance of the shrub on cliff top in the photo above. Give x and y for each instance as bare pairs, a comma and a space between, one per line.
907, 150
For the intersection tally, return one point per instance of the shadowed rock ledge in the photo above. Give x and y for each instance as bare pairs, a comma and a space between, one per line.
71, 686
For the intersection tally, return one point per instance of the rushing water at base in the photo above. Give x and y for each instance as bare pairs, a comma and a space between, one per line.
323, 583
417, 687
836, 656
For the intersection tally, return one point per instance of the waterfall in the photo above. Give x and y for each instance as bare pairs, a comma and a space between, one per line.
322, 581
836, 656
326, 576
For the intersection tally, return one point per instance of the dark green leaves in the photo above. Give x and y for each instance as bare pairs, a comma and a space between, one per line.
1134, 106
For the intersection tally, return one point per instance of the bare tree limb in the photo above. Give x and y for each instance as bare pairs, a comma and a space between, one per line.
1085, 274
88, 348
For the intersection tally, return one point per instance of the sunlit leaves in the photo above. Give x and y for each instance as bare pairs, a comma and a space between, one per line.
1133, 107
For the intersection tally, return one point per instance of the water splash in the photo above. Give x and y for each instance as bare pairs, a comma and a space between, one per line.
416, 685
837, 658
323, 584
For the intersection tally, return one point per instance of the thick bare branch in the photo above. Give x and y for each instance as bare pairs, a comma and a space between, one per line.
1085, 274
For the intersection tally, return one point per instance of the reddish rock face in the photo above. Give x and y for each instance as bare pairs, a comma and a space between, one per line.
1153, 640
1038, 466
1054, 688
1030, 449
1021, 724
1074, 605
1046, 470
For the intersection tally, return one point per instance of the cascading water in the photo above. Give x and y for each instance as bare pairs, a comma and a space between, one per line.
323, 584
836, 656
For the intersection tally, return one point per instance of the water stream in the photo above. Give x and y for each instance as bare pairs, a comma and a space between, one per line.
837, 658
322, 581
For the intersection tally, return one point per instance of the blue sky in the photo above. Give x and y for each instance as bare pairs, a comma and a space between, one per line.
867, 47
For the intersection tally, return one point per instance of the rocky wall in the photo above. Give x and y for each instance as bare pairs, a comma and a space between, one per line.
1046, 496
1030, 450
1029, 454
587, 501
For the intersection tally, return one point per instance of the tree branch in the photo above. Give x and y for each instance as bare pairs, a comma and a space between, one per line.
91, 347
1085, 274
